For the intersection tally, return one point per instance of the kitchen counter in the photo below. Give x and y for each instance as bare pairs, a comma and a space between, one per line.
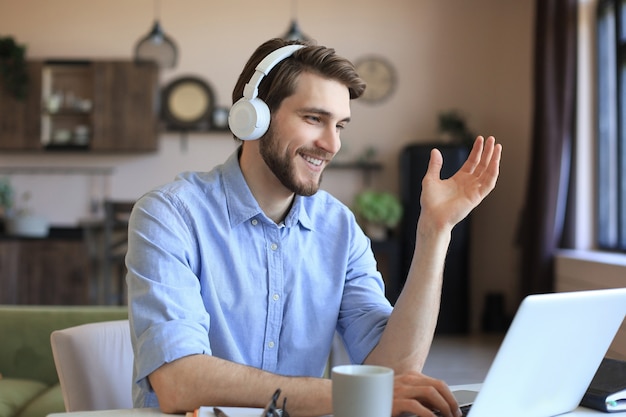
55, 233
51, 270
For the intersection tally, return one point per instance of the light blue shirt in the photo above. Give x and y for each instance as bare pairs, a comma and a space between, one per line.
209, 273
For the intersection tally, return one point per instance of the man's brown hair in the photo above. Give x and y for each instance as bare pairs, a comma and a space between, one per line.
280, 83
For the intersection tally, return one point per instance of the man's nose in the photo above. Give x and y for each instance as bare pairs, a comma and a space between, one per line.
330, 140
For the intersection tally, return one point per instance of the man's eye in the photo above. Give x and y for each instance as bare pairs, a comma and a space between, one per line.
314, 119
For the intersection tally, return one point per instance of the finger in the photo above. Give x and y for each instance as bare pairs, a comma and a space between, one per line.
489, 177
485, 157
426, 404
474, 157
403, 407
434, 165
449, 406
487, 154
429, 392
441, 398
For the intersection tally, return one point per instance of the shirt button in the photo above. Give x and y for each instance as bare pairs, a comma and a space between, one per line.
255, 222
274, 246
276, 297
270, 344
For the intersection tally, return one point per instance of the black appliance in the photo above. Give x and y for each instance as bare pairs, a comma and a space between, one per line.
454, 312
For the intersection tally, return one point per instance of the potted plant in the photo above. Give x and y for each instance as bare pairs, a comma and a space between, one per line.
6, 197
19, 219
6, 202
13, 68
452, 128
378, 212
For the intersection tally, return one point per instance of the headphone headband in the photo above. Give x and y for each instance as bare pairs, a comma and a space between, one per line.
249, 118
251, 90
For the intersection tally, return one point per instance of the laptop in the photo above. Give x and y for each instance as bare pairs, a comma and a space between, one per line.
550, 354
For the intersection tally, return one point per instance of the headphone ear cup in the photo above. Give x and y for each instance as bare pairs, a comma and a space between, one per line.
249, 119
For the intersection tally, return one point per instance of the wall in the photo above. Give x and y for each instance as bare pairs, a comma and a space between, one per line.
578, 270
471, 55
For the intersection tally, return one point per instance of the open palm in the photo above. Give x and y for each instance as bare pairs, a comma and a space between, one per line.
449, 201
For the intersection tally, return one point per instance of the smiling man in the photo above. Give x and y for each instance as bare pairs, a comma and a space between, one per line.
239, 277
301, 140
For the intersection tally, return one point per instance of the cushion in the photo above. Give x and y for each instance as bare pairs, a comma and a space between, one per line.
15, 394
26, 353
49, 401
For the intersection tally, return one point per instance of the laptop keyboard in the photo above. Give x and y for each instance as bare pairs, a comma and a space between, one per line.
464, 409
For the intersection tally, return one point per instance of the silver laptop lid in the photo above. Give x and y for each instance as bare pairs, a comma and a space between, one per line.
550, 353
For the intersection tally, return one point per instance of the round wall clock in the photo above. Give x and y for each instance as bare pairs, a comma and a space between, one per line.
188, 104
380, 77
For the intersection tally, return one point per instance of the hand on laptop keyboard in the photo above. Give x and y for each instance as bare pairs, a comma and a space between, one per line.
464, 409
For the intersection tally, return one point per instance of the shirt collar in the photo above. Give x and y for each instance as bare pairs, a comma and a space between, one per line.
242, 206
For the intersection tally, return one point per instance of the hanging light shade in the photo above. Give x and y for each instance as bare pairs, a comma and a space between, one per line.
294, 33
157, 46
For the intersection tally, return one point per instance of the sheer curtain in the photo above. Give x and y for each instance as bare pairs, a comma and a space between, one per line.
544, 216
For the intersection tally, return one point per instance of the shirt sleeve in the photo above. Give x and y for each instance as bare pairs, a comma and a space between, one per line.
167, 316
364, 308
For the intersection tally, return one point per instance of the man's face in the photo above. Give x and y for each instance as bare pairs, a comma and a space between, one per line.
304, 133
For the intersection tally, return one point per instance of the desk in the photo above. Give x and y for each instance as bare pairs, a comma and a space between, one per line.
153, 412
133, 412
579, 412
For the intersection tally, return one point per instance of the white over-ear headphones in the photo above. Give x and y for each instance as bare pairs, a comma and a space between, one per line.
249, 118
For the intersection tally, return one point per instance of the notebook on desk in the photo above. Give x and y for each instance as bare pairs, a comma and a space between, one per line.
550, 353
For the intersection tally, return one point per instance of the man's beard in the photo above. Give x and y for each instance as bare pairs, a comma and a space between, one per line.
283, 166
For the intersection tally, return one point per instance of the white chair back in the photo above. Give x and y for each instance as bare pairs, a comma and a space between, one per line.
95, 363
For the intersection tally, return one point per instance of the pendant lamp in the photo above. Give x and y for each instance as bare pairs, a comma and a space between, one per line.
156, 45
294, 33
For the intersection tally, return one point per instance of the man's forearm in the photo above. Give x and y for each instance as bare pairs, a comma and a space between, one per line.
408, 335
202, 380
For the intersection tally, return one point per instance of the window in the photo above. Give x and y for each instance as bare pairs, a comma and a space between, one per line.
611, 73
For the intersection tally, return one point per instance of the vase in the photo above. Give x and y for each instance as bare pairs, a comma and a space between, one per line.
27, 225
376, 231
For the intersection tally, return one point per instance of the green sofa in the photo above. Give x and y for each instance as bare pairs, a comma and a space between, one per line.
29, 385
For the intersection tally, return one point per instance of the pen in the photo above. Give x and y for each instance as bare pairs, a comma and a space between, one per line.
219, 413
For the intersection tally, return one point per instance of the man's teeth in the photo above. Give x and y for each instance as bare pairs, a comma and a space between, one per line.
313, 161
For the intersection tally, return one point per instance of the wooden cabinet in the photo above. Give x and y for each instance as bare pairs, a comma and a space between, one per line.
20, 122
97, 106
67, 103
44, 272
9, 272
125, 106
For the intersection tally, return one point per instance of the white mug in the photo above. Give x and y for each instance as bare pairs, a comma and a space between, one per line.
362, 391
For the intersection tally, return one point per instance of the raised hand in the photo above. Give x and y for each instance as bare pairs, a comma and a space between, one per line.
447, 202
